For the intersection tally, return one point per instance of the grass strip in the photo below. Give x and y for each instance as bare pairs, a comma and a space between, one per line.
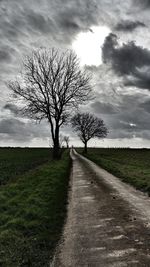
32, 212
130, 165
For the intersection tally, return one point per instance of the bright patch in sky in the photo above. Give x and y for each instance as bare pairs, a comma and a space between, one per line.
87, 45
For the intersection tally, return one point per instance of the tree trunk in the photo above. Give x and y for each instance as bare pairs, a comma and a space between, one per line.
85, 147
56, 152
56, 147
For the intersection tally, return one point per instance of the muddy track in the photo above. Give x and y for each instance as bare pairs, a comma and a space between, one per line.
108, 222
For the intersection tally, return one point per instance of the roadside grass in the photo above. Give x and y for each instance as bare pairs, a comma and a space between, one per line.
131, 165
32, 213
15, 161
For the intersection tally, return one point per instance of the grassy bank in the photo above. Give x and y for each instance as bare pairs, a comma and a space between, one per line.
15, 161
131, 165
32, 212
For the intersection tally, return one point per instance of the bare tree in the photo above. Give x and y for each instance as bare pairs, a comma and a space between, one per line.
66, 139
50, 85
88, 126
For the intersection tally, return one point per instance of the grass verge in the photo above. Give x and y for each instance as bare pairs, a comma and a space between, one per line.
32, 212
131, 165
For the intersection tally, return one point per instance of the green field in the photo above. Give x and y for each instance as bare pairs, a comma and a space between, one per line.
32, 207
14, 161
131, 165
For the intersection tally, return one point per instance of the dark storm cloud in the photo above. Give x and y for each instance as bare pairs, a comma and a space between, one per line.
129, 116
39, 23
6, 53
4, 56
146, 106
15, 129
12, 108
128, 121
103, 108
146, 2
25, 22
131, 122
68, 24
84, 13
125, 58
11, 126
143, 3
72, 17
128, 60
128, 26
57, 22
140, 79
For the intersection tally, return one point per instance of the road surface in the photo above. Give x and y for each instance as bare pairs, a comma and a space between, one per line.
108, 222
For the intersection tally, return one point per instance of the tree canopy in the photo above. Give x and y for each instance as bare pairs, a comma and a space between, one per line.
88, 126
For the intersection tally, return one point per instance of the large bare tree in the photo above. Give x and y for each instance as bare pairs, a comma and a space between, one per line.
51, 85
88, 126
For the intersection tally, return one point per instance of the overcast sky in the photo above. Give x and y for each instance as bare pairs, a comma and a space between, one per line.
112, 40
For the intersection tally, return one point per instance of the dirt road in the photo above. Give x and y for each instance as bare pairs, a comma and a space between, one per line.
108, 221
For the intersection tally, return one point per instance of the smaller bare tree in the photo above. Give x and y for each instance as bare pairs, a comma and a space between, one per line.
66, 140
88, 126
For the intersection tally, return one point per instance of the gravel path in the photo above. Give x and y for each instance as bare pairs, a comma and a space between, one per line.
108, 221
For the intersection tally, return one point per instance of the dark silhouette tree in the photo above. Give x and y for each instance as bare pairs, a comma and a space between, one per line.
50, 85
88, 126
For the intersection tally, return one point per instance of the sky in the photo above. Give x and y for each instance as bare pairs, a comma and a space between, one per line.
111, 39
